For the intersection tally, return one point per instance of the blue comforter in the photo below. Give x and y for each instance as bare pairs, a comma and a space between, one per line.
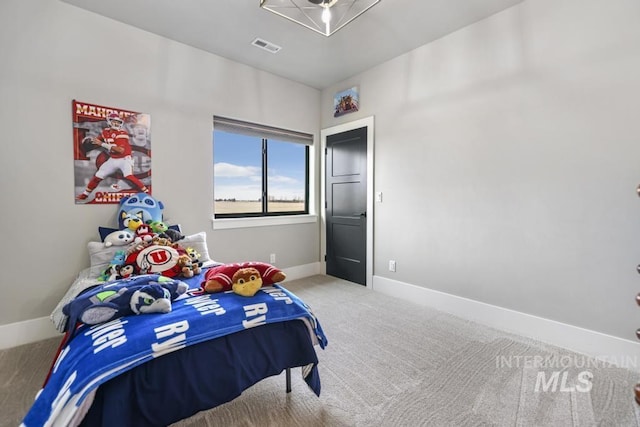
101, 352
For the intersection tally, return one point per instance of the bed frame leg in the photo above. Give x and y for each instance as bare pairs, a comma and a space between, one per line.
288, 375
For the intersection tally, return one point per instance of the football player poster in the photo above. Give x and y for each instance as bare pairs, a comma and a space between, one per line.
111, 153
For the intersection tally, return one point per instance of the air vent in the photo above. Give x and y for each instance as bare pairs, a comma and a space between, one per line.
268, 46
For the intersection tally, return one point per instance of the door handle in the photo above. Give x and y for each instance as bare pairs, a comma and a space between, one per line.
363, 214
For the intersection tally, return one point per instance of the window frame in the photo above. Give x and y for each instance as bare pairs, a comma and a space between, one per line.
266, 133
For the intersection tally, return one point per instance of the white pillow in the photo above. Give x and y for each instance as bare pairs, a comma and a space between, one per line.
198, 242
100, 256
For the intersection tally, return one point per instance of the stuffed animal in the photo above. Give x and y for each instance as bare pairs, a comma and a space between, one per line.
143, 234
112, 271
119, 257
158, 227
246, 282
149, 258
220, 278
141, 206
163, 241
141, 209
130, 221
137, 295
125, 271
186, 266
118, 238
109, 274
195, 256
173, 235
195, 267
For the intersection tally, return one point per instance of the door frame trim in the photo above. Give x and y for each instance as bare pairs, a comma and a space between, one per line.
324, 133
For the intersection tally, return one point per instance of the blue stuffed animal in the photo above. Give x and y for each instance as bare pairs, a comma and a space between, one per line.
112, 272
139, 206
150, 293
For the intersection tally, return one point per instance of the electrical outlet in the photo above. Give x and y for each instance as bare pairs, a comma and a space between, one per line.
272, 258
392, 265
379, 196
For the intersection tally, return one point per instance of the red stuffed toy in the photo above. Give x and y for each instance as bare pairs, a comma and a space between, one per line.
159, 259
220, 277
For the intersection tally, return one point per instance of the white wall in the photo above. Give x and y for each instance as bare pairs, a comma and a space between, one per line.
52, 53
508, 154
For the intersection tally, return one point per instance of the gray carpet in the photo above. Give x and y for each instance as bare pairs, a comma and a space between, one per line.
392, 363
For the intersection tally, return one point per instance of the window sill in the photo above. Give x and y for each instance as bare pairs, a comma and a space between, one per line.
227, 223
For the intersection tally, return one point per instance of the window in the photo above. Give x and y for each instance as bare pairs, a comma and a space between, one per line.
259, 170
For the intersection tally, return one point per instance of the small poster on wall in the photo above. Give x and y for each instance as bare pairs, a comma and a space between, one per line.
111, 153
346, 101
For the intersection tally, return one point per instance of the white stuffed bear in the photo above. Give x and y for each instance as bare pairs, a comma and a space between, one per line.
119, 238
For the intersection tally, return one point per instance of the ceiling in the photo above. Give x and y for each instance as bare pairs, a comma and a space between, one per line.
227, 28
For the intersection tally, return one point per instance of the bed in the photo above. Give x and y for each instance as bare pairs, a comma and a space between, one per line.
155, 369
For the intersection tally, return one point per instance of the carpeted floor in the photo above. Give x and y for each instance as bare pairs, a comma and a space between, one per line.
392, 363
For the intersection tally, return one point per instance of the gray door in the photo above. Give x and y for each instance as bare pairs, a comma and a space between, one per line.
346, 184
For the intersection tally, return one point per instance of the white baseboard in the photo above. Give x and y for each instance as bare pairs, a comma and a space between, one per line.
301, 271
28, 331
618, 351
